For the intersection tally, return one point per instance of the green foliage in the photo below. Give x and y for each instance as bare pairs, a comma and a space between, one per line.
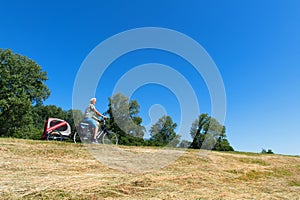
223, 145
29, 132
21, 78
131, 141
21, 85
263, 151
198, 131
41, 113
163, 132
208, 133
124, 120
74, 117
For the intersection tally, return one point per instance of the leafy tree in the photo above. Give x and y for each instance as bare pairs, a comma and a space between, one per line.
16, 121
124, 120
163, 132
267, 152
21, 86
223, 145
198, 130
270, 151
208, 133
263, 151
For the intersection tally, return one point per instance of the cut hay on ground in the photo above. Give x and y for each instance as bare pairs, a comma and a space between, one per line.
52, 170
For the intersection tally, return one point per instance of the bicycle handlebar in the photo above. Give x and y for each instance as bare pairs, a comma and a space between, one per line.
99, 120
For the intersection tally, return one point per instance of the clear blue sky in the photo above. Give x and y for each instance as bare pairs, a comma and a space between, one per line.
254, 43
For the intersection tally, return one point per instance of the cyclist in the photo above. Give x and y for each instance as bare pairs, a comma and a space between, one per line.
91, 112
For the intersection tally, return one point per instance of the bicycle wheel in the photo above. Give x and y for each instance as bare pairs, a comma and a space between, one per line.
81, 137
76, 137
110, 138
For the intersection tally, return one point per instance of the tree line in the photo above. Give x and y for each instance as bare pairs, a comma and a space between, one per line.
22, 113
206, 131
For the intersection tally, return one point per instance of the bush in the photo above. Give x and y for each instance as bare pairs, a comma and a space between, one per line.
27, 133
267, 152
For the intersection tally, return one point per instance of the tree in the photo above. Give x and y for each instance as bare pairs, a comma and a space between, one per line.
124, 120
223, 145
208, 133
21, 86
198, 130
163, 132
267, 152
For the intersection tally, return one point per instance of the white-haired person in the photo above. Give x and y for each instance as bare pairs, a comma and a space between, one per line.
91, 112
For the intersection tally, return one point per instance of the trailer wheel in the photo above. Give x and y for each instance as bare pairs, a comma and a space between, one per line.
54, 136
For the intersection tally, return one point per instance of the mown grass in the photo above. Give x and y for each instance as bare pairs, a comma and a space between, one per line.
294, 183
253, 161
58, 170
275, 172
245, 153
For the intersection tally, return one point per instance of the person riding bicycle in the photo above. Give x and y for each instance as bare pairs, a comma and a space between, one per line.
90, 113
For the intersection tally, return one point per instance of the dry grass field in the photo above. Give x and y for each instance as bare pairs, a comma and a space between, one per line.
53, 170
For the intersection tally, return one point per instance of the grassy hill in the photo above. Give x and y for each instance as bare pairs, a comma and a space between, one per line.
52, 170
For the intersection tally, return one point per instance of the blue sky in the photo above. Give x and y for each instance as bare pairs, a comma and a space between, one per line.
255, 45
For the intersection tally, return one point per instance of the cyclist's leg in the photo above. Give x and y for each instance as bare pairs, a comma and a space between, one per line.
94, 126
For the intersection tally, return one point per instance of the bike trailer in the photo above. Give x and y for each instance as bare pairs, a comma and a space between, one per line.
56, 129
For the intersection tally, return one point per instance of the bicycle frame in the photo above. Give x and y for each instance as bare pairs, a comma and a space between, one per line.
106, 136
104, 130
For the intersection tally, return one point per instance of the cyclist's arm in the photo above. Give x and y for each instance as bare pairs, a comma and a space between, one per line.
98, 113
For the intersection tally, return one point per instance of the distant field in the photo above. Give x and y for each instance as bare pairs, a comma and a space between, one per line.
52, 170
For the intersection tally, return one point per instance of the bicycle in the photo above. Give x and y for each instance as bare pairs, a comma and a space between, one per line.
85, 134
